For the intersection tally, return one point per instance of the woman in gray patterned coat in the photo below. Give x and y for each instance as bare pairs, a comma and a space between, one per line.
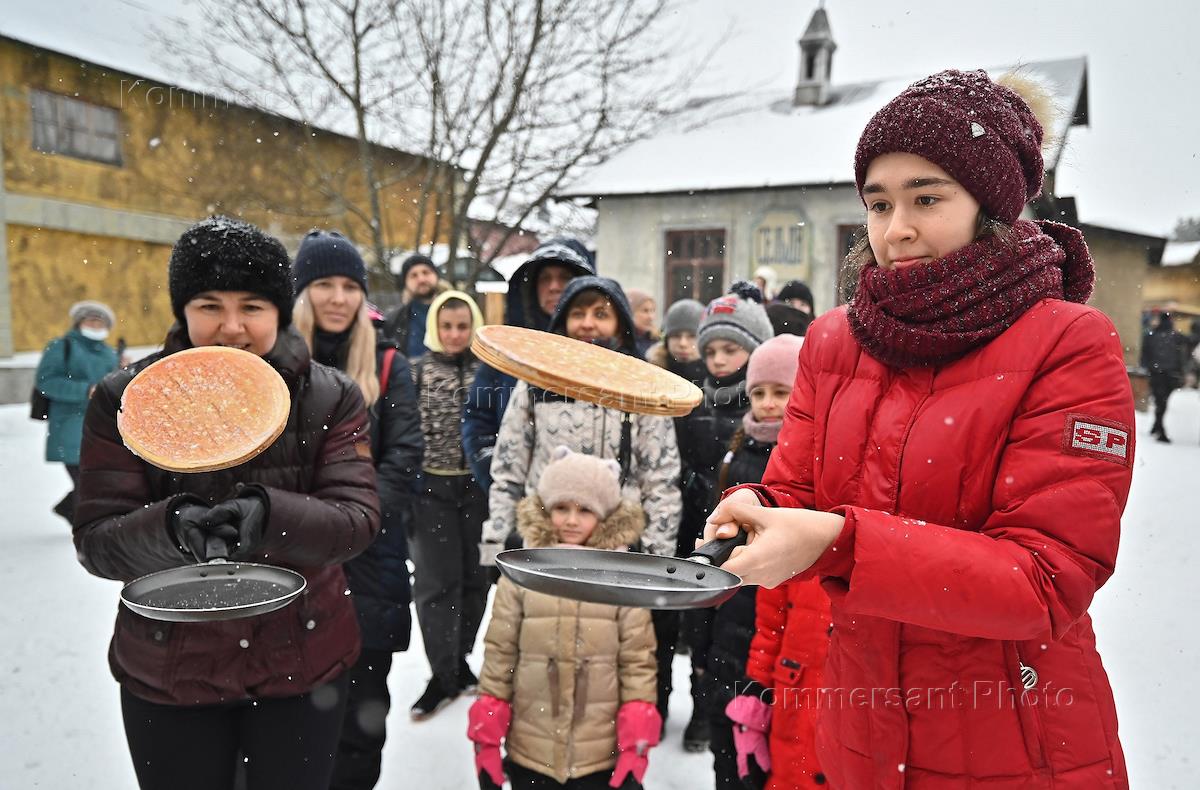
592, 309
450, 587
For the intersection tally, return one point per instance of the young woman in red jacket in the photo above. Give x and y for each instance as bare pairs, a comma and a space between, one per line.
953, 465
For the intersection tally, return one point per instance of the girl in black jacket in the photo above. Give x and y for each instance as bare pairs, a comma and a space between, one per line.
331, 313
769, 377
731, 328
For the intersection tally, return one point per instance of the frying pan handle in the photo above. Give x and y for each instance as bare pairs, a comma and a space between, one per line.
717, 551
215, 548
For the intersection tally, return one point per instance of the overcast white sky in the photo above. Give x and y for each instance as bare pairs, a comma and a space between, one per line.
1137, 166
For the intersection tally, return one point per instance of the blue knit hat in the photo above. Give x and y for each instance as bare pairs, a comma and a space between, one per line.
327, 254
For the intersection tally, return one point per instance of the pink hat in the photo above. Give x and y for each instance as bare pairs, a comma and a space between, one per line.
774, 362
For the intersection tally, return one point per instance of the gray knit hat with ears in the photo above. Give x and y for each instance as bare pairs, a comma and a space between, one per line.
588, 481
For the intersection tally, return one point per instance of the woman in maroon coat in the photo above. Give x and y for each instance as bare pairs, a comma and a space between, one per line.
953, 465
267, 692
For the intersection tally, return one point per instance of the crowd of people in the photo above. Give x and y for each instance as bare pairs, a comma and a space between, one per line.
931, 480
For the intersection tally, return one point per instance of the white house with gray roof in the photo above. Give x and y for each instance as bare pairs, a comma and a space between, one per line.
756, 179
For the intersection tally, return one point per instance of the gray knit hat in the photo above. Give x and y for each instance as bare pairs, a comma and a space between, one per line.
683, 316
82, 311
737, 316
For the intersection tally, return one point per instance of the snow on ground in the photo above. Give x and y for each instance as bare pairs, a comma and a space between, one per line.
60, 724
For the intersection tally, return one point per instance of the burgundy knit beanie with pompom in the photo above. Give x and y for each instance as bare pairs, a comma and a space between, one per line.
981, 133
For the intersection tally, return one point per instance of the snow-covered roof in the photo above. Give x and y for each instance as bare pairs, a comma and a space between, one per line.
761, 140
1181, 253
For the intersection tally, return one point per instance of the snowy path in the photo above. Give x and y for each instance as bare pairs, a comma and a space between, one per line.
60, 724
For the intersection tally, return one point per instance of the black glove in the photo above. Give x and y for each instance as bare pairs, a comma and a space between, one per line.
630, 784
240, 521
189, 527
486, 783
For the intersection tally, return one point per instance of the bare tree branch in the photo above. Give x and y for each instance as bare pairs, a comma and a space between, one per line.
502, 102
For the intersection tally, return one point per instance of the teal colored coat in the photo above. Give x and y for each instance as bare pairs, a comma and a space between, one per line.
66, 382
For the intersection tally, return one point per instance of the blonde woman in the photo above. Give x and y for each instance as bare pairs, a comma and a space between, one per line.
331, 314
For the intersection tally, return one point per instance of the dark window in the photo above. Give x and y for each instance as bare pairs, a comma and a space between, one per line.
695, 265
62, 125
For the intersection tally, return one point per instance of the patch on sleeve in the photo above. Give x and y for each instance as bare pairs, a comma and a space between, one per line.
1097, 438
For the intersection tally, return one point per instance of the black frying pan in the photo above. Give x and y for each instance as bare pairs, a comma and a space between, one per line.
623, 578
213, 590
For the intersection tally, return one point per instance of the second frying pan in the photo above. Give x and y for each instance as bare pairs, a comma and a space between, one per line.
213, 591
623, 578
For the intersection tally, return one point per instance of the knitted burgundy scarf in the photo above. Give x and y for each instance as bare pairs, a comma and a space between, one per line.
934, 313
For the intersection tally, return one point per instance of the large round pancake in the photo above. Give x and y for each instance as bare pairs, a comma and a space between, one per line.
585, 372
203, 409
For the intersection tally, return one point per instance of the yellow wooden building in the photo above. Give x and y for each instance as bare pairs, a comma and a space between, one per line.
1175, 285
102, 170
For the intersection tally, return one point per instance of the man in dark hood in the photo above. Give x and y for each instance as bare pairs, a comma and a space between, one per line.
534, 291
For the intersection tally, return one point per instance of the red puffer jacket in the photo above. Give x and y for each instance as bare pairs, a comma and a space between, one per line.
983, 502
324, 509
788, 655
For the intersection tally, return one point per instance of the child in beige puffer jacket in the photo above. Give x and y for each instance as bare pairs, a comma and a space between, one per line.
576, 680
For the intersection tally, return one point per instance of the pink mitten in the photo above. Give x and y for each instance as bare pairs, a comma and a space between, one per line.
638, 728
751, 724
487, 725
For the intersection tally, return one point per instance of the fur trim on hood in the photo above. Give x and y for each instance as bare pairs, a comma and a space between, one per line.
622, 528
657, 354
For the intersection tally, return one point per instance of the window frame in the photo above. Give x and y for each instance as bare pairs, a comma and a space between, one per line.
700, 250
63, 125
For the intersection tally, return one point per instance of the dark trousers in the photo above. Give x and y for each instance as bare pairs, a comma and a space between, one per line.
720, 743
66, 505
666, 632
1161, 387
449, 585
282, 744
697, 635
360, 751
521, 778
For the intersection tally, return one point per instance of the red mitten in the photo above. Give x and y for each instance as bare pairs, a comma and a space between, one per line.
751, 724
487, 725
638, 728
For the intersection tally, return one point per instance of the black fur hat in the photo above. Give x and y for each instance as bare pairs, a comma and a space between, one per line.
226, 254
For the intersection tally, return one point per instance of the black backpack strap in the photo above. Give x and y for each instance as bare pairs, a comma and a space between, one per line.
625, 450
